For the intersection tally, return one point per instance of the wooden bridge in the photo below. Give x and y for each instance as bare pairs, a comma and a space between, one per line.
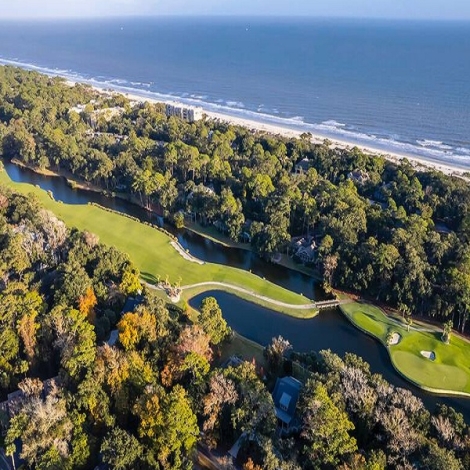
327, 304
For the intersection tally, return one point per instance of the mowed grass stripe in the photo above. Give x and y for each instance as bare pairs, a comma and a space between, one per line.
449, 372
151, 251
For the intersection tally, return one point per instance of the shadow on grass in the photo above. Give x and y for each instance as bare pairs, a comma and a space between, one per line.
150, 278
376, 319
437, 335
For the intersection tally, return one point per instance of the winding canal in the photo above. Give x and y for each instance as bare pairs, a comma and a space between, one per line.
329, 330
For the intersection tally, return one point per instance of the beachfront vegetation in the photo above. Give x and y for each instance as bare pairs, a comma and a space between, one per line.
419, 354
150, 394
389, 231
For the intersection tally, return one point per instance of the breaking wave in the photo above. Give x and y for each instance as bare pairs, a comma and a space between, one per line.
434, 151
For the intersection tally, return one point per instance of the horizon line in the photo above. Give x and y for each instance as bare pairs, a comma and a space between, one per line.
234, 16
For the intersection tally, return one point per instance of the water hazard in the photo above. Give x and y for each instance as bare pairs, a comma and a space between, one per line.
329, 330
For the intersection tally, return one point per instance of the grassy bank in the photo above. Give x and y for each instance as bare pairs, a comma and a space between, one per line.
151, 250
448, 373
214, 235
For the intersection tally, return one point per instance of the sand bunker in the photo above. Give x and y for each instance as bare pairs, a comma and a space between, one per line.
429, 355
395, 339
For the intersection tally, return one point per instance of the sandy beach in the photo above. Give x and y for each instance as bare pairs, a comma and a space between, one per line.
257, 126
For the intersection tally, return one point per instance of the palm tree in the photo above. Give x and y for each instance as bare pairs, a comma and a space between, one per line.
408, 321
447, 331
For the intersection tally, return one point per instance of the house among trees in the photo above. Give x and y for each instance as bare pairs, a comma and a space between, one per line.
359, 176
285, 396
302, 166
15, 399
132, 303
304, 248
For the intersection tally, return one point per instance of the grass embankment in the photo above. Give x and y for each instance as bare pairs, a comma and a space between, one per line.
152, 253
214, 235
242, 347
448, 373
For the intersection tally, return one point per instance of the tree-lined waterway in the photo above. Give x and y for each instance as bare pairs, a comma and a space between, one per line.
329, 330
198, 246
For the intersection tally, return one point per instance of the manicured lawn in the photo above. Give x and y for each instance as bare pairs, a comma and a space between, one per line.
151, 251
242, 347
449, 371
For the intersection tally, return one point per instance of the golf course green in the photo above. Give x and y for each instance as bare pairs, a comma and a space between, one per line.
420, 355
152, 253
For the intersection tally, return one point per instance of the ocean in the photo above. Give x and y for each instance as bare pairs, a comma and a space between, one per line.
400, 86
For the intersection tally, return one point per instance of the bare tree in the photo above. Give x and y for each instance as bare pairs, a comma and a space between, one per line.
274, 353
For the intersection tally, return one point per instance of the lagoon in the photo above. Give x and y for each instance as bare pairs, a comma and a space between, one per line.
329, 330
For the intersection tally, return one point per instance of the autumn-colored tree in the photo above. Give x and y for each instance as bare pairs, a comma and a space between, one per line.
250, 465
147, 410
192, 351
111, 367
137, 328
222, 393
27, 328
193, 339
130, 283
87, 304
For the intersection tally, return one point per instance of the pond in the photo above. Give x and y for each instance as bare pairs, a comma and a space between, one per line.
329, 330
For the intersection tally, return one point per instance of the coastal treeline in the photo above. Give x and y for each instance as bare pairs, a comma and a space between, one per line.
100, 371
391, 232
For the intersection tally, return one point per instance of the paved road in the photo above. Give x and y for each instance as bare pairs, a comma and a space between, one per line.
251, 293
232, 287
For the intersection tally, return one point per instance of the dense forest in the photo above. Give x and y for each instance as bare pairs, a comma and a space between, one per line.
148, 397
391, 232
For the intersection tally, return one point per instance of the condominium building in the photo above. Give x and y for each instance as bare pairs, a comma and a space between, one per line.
189, 114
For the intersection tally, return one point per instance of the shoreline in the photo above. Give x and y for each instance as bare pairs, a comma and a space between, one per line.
434, 391
418, 162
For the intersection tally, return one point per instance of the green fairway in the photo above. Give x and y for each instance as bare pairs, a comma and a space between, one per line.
449, 372
151, 251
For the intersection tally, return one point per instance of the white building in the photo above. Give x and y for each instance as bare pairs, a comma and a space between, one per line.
189, 114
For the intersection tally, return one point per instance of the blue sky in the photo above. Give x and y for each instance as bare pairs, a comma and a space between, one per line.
435, 9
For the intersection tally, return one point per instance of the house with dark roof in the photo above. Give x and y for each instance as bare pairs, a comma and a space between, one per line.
113, 337
132, 303
359, 176
302, 166
285, 396
304, 249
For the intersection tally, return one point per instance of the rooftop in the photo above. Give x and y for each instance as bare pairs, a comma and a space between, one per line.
286, 395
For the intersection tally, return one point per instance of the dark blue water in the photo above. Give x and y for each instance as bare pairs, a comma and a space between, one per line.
329, 330
198, 246
398, 86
